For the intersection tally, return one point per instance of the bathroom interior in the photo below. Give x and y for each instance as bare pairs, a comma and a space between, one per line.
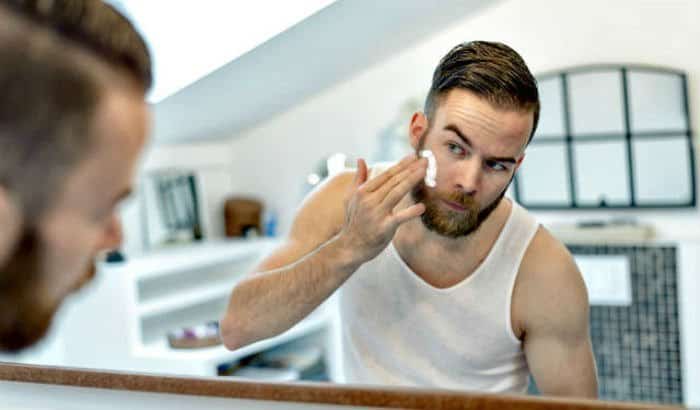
248, 119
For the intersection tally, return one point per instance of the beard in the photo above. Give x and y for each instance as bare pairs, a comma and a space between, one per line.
452, 224
26, 308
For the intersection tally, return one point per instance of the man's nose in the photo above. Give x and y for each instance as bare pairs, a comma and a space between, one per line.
113, 235
469, 175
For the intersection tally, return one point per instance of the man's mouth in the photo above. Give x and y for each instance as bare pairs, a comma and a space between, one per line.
455, 206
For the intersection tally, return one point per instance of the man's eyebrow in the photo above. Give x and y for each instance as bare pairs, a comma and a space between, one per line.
453, 128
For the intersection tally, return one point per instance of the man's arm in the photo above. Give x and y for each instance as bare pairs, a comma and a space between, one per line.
555, 314
348, 221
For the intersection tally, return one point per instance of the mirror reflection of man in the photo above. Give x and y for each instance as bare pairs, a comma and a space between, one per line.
73, 120
451, 286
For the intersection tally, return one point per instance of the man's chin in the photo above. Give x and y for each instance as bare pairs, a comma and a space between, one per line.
86, 278
450, 222
25, 329
26, 321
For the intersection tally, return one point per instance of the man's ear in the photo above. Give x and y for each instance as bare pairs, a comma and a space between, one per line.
10, 223
417, 128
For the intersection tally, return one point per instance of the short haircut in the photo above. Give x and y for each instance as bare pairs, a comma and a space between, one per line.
492, 71
54, 58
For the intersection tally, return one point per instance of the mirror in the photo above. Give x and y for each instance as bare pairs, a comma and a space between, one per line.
617, 134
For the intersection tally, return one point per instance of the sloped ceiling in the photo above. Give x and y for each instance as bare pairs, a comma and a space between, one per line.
340, 40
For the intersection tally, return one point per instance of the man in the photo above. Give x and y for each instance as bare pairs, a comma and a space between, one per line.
452, 286
73, 121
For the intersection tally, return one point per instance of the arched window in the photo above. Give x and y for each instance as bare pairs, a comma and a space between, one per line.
610, 136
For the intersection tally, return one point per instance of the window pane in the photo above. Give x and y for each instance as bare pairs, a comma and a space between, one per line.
551, 123
601, 170
544, 176
662, 171
656, 101
596, 103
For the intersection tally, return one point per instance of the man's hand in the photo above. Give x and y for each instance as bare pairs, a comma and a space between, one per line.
370, 218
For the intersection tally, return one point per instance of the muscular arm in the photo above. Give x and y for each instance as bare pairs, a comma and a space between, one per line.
347, 222
556, 331
296, 277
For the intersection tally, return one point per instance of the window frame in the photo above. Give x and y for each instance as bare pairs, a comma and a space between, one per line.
569, 140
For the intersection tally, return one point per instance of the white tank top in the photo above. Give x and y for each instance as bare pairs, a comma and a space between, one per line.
399, 330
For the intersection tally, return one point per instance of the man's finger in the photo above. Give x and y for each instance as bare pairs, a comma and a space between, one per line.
382, 178
403, 183
409, 213
361, 174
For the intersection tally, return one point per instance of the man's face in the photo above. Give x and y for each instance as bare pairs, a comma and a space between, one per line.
477, 148
55, 254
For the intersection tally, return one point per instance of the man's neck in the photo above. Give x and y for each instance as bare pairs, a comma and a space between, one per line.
444, 261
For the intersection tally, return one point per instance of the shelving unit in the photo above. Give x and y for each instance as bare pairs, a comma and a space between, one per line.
122, 319
195, 296
209, 357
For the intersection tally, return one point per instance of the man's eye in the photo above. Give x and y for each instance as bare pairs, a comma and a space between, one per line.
455, 149
496, 166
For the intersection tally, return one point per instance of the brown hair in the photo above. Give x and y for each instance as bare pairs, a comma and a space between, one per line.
492, 71
57, 57
95, 26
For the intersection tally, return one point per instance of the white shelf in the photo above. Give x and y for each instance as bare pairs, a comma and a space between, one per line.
608, 234
130, 310
185, 299
194, 256
219, 354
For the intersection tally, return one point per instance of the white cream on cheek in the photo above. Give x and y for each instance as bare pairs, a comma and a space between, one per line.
431, 173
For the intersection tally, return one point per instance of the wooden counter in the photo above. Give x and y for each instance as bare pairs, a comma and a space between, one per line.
27, 382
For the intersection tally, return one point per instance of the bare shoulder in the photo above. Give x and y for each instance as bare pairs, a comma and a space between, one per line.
322, 213
319, 217
323, 208
549, 290
548, 258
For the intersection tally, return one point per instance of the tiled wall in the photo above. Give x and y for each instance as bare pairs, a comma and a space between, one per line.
637, 347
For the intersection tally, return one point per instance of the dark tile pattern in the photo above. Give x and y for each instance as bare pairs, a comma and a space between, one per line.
637, 347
